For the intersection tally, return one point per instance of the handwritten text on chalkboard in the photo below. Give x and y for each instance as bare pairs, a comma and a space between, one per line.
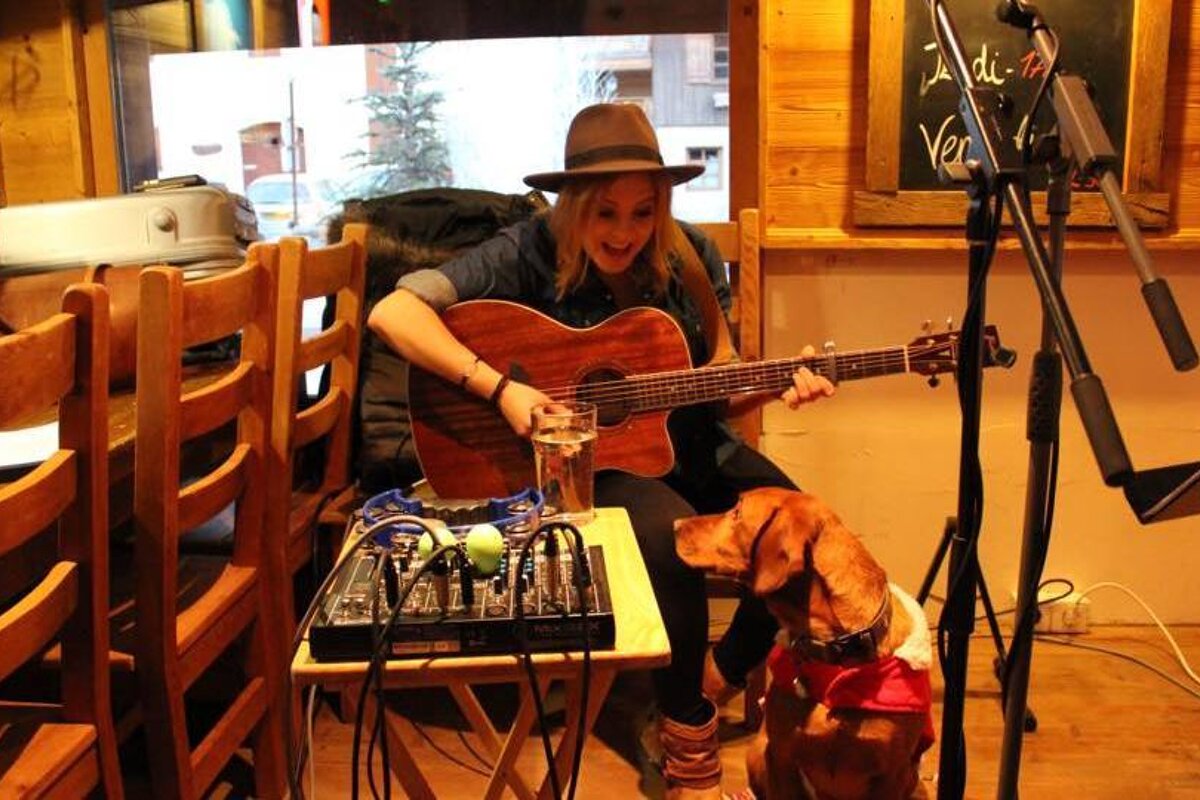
1095, 42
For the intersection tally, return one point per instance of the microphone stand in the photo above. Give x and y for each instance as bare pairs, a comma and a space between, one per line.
1042, 431
999, 172
1153, 494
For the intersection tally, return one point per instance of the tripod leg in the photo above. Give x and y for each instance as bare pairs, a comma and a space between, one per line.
935, 566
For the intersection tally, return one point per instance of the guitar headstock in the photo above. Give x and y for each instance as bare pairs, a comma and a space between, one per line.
936, 353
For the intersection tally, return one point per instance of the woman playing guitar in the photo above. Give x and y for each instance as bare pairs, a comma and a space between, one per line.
610, 243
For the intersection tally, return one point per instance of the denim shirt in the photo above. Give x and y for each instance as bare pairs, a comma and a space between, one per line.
518, 264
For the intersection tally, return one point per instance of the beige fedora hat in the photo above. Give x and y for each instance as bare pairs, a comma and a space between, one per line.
609, 138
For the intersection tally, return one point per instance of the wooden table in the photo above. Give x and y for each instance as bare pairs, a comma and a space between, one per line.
33, 440
641, 643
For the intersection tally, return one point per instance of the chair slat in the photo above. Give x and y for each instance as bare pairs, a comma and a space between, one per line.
210, 407
31, 503
234, 726
204, 499
208, 626
319, 418
220, 305
35, 619
37, 365
59, 761
321, 348
327, 269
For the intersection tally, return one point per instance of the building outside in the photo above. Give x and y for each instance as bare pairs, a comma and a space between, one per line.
504, 108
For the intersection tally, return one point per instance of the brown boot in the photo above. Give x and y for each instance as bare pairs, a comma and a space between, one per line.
714, 686
691, 761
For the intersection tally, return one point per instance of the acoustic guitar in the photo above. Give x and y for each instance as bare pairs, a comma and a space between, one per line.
634, 366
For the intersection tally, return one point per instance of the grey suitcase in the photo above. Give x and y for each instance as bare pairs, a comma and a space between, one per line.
201, 229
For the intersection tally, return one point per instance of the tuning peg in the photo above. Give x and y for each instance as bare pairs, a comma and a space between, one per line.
949, 323
828, 347
934, 381
927, 326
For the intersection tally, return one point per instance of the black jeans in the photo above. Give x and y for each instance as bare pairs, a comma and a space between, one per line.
653, 505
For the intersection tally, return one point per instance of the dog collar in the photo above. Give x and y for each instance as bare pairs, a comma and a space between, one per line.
858, 647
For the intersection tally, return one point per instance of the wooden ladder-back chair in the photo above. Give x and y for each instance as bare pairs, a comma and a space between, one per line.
177, 642
337, 271
65, 749
738, 243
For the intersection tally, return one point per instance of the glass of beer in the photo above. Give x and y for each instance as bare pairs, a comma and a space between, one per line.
564, 449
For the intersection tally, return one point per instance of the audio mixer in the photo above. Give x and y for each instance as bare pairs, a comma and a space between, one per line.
468, 607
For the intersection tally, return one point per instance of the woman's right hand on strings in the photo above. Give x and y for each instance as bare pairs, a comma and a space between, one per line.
516, 404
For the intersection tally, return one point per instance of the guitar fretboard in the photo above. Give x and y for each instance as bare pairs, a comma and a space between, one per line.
687, 387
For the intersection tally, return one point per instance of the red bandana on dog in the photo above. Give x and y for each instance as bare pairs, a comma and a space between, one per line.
897, 684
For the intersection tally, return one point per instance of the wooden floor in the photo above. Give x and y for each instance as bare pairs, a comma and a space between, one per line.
1107, 728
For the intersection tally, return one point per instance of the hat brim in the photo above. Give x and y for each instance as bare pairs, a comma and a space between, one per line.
553, 181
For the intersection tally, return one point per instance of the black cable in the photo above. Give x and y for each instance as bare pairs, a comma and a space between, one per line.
379, 655
973, 479
470, 748
374, 581
446, 754
527, 658
314, 605
379, 734
579, 578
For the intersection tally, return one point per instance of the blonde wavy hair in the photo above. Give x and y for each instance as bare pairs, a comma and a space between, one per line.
569, 217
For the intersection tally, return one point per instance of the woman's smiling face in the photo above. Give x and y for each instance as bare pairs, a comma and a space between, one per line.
620, 223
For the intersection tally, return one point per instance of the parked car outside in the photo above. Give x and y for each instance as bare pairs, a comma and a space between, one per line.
291, 208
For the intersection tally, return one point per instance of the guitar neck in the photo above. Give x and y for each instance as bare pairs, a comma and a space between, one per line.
666, 390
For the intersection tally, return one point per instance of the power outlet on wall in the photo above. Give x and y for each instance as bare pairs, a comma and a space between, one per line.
1068, 614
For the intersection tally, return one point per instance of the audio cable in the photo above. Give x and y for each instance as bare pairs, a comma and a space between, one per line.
581, 578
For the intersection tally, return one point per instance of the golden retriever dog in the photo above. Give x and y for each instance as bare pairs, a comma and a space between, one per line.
848, 710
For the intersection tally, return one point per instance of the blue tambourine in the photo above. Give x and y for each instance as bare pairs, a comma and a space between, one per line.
512, 515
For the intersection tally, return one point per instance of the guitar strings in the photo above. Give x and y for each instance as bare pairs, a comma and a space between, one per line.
703, 380
857, 364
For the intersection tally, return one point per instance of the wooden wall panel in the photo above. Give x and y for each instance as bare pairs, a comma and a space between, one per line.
36, 116
812, 91
815, 130
55, 142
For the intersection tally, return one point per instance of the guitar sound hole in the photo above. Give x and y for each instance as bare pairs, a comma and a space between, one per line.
604, 388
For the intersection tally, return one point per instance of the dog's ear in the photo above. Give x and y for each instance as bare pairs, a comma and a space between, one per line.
780, 555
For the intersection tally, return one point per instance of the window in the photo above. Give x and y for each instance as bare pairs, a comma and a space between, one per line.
707, 58
720, 66
489, 109
710, 157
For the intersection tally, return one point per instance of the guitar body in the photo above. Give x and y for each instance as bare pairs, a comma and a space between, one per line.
465, 446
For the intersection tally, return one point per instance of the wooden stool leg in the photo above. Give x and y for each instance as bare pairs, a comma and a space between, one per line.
579, 723
517, 735
469, 704
403, 765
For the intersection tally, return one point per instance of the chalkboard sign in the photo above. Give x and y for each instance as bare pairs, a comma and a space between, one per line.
1095, 38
